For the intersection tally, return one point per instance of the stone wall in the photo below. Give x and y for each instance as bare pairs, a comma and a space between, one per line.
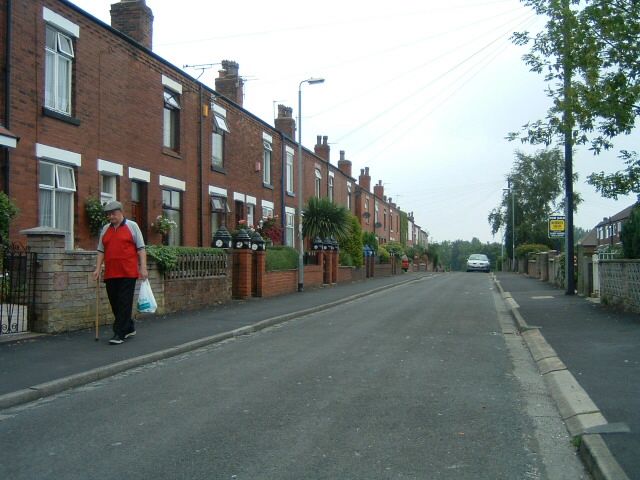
620, 283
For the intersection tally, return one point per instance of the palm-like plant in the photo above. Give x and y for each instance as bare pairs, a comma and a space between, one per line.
323, 218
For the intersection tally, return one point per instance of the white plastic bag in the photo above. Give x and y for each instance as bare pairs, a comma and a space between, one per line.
146, 300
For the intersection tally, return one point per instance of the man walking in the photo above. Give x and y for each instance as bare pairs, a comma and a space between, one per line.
121, 248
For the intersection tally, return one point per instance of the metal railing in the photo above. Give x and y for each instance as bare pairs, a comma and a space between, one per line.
17, 288
199, 265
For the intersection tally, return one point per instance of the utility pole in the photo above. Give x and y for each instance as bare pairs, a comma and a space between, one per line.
568, 122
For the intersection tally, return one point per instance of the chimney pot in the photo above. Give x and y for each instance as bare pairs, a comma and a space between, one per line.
135, 19
229, 83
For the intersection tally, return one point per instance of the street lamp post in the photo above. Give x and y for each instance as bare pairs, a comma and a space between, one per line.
310, 81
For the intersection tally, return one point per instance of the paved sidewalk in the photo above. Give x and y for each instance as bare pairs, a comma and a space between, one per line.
600, 347
44, 365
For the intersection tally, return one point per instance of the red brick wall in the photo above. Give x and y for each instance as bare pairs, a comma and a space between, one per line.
350, 274
118, 100
280, 282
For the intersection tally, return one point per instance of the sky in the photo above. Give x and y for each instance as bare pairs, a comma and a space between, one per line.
422, 92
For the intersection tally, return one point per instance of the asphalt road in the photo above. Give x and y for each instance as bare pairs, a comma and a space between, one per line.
424, 381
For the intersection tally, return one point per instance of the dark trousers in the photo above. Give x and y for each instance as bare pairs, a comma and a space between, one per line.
120, 292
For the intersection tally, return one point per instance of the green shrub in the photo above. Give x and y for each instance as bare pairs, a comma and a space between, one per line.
96, 215
8, 211
527, 248
166, 257
630, 234
383, 255
369, 238
394, 248
351, 247
281, 257
346, 260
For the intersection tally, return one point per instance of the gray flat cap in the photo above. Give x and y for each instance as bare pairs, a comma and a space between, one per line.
111, 206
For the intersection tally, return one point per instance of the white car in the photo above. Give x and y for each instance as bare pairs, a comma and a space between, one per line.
478, 262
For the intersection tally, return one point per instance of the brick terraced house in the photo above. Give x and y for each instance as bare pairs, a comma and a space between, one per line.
88, 110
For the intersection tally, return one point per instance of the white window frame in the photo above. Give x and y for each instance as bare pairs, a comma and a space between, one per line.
267, 209
289, 171
217, 149
290, 220
331, 187
58, 57
266, 164
171, 118
108, 187
318, 183
58, 185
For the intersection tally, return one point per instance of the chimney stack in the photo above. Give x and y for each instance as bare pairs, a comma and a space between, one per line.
285, 122
378, 190
365, 180
322, 148
229, 83
135, 19
344, 165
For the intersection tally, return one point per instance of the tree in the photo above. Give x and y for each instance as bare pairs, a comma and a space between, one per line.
369, 238
8, 211
630, 234
323, 218
536, 183
352, 246
589, 51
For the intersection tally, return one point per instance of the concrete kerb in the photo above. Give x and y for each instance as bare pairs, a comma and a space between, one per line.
53, 387
576, 408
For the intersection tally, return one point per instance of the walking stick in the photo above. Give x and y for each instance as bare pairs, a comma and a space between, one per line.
97, 307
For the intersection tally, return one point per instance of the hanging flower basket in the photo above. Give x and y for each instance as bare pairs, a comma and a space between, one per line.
163, 225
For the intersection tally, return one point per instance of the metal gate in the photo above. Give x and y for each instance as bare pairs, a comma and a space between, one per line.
17, 288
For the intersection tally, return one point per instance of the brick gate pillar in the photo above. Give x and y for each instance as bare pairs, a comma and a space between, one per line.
242, 268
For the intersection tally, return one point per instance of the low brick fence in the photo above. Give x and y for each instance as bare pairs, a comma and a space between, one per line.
66, 294
67, 298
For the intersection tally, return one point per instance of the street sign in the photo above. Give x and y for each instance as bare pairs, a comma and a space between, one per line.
556, 226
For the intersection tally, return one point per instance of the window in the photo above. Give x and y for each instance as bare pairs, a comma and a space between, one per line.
171, 208
56, 192
219, 210
220, 127
171, 133
107, 188
250, 214
348, 197
289, 172
267, 212
331, 188
217, 149
289, 227
58, 70
266, 164
367, 214
318, 181
376, 218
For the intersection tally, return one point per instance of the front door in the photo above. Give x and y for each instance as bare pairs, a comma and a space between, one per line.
139, 206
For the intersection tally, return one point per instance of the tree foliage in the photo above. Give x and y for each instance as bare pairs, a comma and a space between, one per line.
594, 44
369, 238
630, 234
8, 211
589, 53
323, 218
352, 246
537, 185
